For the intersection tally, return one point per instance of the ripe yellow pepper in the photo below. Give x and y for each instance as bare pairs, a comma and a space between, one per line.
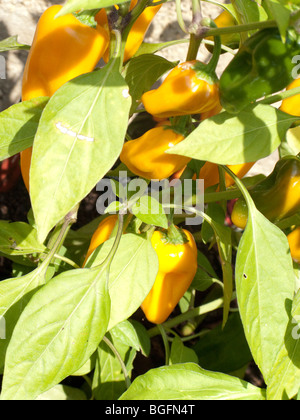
224, 20
186, 90
101, 235
294, 242
276, 197
177, 269
291, 105
210, 173
146, 155
62, 49
137, 32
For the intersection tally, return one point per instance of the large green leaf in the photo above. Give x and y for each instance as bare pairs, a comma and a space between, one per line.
15, 293
63, 393
251, 135
224, 350
18, 126
132, 275
57, 333
285, 375
80, 136
190, 382
265, 284
281, 13
19, 239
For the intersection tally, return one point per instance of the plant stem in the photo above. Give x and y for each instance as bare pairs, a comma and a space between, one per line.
56, 245
166, 343
180, 20
200, 310
271, 99
117, 354
241, 28
66, 260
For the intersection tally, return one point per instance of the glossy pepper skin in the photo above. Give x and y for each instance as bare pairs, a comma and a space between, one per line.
210, 173
137, 32
277, 197
177, 269
146, 155
62, 49
101, 235
294, 242
224, 20
292, 105
186, 90
262, 66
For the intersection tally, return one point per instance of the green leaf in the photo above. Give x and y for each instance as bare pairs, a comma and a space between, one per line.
151, 48
225, 139
132, 275
181, 353
15, 293
19, 239
285, 375
190, 382
223, 239
142, 72
108, 379
251, 11
63, 393
265, 284
12, 43
75, 5
281, 14
133, 334
18, 126
224, 350
150, 211
57, 333
83, 141
293, 140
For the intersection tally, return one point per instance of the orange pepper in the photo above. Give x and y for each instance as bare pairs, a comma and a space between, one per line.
177, 269
62, 49
137, 32
294, 242
292, 105
186, 90
101, 235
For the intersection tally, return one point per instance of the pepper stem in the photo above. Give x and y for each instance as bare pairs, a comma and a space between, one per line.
175, 236
212, 65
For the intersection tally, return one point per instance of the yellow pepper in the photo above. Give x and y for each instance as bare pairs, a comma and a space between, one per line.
146, 155
186, 90
62, 49
224, 20
137, 32
177, 269
210, 173
276, 197
292, 105
294, 242
101, 235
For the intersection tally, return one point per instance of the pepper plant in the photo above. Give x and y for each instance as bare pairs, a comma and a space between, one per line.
171, 270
